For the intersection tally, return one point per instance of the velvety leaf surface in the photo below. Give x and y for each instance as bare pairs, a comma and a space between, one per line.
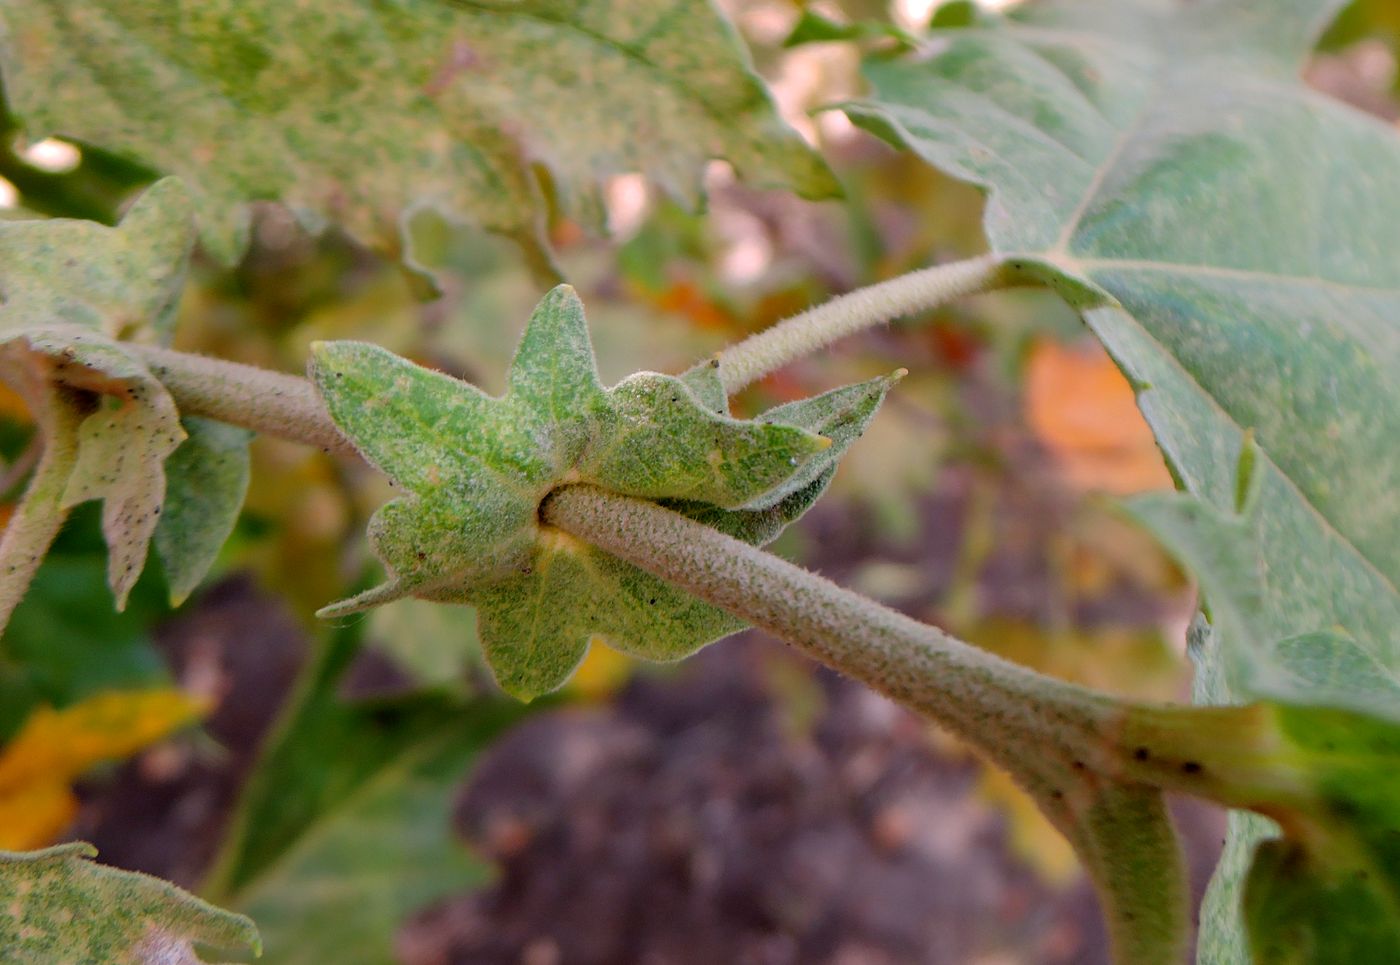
206, 480
478, 467
1231, 237
840, 415
57, 906
355, 111
71, 289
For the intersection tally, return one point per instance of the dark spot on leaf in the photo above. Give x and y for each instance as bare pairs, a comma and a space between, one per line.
1191, 767
1140, 754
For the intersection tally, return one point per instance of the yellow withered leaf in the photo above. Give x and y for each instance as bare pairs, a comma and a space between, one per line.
53, 747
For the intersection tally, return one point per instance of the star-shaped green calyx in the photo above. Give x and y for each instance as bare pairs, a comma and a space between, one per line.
476, 469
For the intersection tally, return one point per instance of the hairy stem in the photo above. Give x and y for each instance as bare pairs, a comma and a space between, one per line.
41, 512
285, 406
978, 695
1029, 722
818, 327
1058, 739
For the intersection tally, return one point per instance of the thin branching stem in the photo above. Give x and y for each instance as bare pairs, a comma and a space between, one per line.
13, 474
847, 314
41, 512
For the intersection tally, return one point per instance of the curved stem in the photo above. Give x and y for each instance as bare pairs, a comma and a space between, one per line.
1048, 731
281, 405
818, 327
990, 701
13, 474
1059, 740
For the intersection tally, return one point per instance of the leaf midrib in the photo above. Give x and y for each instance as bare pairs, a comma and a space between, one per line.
401, 766
1089, 265
1065, 260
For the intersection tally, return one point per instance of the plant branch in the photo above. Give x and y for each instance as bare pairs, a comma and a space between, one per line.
1047, 731
988, 700
1062, 742
281, 405
818, 327
40, 514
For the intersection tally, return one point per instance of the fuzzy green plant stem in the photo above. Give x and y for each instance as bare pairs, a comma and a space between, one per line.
976, 694
847, 314
1059, 740
281, 405
1045, 729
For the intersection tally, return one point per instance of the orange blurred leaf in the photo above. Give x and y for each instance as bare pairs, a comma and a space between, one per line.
53, 747
1082, 409
36, 815
13, 407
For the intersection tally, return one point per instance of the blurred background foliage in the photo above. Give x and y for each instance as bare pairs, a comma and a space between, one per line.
981, 499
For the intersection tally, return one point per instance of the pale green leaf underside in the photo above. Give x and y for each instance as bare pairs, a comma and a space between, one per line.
477, 468
1243, 233
57, 906
355, 111
1197, 183
71, 290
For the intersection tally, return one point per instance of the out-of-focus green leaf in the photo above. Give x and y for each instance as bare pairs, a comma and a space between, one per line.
477, 468
435, 645
65, 642
813, 28
206, 480
344, 829
354, 112
56, 906
1328, 893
